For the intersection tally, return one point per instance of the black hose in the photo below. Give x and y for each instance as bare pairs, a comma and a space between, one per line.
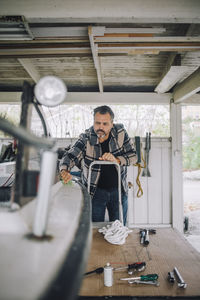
41, 118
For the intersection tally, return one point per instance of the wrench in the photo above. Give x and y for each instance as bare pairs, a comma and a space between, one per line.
181, 282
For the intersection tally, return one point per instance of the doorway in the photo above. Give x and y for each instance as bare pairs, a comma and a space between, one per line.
191, 173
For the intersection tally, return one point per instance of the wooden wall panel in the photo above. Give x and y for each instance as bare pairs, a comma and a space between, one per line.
154, 207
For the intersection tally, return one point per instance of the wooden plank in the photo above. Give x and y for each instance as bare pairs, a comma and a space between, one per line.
30, 69
188, 87
24, 53
98, 98
134, 30
174, 75
146, 49
82, 31
153, 44
167, 249
46, 42
125, 36
130, 37
96, 59
164, 86
193, 100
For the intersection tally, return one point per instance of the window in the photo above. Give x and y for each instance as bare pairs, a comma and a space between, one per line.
71, 120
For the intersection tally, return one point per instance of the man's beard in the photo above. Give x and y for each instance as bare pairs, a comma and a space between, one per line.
100, 136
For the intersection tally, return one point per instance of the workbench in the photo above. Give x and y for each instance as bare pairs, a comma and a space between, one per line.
167, 249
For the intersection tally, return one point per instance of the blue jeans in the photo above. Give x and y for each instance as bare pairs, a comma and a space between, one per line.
103, 199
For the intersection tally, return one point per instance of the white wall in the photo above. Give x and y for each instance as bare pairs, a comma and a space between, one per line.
154, 207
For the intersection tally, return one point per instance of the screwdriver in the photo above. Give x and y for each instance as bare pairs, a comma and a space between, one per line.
149, 277
97, 271
139, 266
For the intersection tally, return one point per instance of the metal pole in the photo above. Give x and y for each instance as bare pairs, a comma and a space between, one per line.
100, 162
47, 176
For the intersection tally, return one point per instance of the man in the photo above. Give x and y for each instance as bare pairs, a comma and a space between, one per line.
104, 141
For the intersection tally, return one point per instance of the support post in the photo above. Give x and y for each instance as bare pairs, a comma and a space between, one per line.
177, 180
27, 98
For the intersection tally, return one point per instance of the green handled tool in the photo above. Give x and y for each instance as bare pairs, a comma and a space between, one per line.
148, 277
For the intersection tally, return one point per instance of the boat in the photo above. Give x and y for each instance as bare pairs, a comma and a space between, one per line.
44, 239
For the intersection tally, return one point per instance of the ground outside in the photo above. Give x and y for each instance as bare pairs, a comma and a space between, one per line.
191, 192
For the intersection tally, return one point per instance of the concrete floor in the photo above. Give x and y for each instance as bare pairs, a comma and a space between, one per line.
191, 192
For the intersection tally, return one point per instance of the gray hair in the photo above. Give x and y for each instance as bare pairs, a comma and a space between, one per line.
104, 109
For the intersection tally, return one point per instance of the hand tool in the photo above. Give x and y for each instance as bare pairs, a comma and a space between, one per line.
181, 282
138, 266
149, 277
97, 271
144, 235
171, 277
139, 165
156, 283
137, 148
147, 148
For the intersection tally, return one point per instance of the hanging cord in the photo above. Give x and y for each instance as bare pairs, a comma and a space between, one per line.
115, 233
41, 118
140, 167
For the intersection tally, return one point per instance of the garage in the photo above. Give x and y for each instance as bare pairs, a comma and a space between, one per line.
133, 55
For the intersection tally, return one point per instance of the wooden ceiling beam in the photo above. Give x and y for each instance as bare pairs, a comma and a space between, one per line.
187, 88
152, 44
129, 50
129, 38
86, 51
30, 68
134, 30
63, 31
192, 100
99, 98
117, 98
97, 65
37, 52
172, 73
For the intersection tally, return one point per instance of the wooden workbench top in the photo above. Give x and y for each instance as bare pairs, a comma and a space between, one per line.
167, 249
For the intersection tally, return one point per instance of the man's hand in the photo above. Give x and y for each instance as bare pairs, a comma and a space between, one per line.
65, 176
109, 157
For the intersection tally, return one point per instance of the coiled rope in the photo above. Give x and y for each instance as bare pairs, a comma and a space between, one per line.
116, 233
140, 167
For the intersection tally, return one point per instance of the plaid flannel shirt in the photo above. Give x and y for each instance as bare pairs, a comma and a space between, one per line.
87, 149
